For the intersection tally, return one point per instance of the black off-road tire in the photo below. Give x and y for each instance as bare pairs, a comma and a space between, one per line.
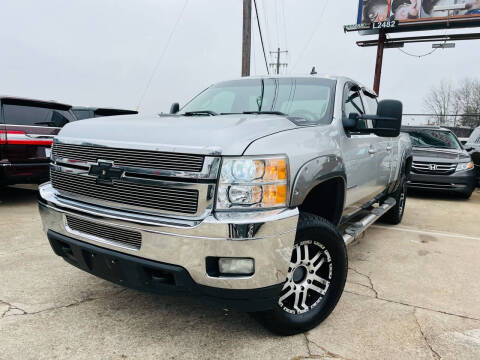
395, 214
332, 263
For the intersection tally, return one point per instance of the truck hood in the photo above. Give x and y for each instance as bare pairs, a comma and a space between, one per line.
207, 135
440, 155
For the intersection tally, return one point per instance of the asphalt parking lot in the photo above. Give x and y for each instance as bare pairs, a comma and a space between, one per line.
412, 293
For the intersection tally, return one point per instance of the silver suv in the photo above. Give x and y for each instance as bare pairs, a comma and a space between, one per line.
245, 197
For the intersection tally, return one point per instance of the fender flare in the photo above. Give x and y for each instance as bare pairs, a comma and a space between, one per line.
315, 172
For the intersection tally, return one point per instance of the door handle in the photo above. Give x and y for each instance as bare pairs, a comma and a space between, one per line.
372, 151
389, 148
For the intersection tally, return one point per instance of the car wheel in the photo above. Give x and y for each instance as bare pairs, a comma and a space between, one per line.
315, 281
394, 216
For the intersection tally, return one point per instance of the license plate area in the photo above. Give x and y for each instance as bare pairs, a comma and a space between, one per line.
105, 266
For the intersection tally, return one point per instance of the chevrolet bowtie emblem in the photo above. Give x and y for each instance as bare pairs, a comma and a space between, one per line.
105, 172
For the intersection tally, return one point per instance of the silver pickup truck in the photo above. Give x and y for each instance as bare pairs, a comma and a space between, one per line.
245, 197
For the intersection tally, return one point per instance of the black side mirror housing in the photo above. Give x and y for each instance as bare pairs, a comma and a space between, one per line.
387, 121
175, 108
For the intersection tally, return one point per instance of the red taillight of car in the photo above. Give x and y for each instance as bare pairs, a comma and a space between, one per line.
11, 137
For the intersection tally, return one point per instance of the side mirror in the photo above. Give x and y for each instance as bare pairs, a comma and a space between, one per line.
387, 122
175, 108
389, 118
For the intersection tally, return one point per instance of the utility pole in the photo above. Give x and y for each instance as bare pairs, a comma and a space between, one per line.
246, 37
379, 63
277, 64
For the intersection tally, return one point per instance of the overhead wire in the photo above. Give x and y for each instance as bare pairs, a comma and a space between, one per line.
261, 36
162, 54
312, 35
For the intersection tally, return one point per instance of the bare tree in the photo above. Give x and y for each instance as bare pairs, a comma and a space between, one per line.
442, 101
468, 98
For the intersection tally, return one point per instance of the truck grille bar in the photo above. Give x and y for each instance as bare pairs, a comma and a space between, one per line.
129, 238
130, 157
145, 196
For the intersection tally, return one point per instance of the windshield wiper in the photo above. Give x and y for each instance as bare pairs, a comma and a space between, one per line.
265, 112
200, 112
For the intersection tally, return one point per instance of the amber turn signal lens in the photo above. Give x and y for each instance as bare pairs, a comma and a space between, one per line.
275, 169
274, 195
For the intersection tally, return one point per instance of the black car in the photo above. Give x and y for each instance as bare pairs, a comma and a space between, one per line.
440, 162
82, 112
473, 147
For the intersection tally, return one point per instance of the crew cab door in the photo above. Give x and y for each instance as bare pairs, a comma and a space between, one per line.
359, 153
383, 146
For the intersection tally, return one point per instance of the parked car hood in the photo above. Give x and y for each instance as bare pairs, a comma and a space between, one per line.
439, 155
225, 134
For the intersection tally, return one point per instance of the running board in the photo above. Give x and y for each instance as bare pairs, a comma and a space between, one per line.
356, 229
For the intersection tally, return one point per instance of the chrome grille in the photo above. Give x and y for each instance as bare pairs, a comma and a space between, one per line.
129, 238
130, 157
421, 167
137, 195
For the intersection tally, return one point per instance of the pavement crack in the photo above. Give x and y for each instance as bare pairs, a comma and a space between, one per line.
416, 306
11, 308
326, 353
435, 355
76, 303
371, 287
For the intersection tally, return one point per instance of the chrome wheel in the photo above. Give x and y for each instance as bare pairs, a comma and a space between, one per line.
308, 278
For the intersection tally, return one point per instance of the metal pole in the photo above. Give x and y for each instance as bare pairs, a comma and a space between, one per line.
246, 37
278, 61
378, 66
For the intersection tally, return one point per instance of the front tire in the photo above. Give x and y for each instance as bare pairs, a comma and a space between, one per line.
315, 281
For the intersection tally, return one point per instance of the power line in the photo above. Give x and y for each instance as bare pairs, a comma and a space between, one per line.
261, 37
162, 55
317, 27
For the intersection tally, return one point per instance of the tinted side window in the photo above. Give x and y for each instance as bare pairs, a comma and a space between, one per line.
26, 115
83, 114
35, 116
353, 104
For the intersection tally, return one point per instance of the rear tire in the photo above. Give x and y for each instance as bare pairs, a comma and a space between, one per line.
394, 216
315, 281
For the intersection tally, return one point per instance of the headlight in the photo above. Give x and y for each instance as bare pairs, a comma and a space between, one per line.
253, 183
465, 166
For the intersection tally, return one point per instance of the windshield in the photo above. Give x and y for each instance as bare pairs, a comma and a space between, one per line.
304, 100
426, 138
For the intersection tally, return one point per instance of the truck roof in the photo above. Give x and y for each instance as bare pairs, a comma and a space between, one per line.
50, 104
318, 76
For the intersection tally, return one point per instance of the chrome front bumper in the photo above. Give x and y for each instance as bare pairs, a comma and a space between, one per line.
268, 239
